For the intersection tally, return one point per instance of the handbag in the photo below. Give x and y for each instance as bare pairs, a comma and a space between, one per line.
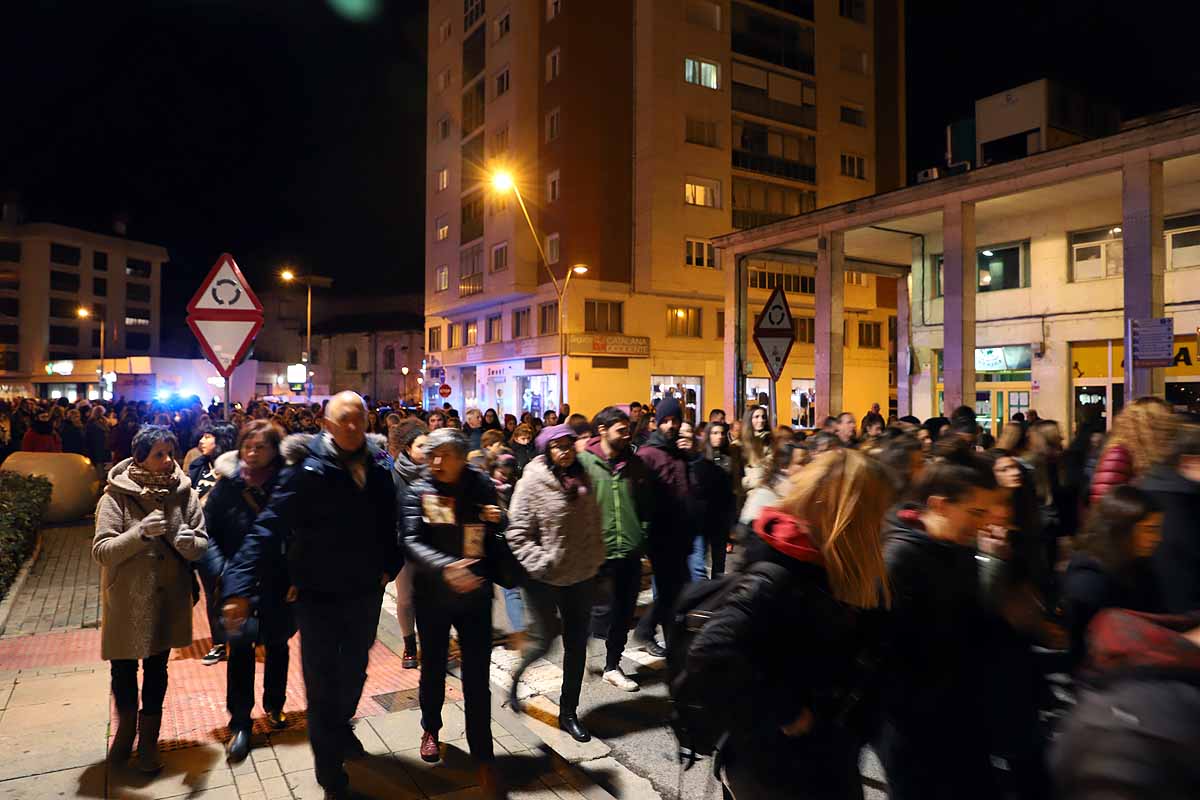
505, 568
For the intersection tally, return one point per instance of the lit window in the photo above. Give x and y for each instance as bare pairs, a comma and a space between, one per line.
452, 339
553, 59
702, 73
552, 125
443, 178
553, 7
552, 248
442, 278
471, 333
683, 321
702, 192
552, 187
500, 257
442, 228
1095, 254
493, 333
699, 253
502, 82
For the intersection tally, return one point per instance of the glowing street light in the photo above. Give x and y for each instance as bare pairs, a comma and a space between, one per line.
84, 312
289, 276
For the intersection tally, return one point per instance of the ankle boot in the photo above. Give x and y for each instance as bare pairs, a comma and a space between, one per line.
147, 746
122, 746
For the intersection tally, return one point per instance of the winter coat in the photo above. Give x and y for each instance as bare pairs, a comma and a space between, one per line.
524, 453
474, 436
203, 475
340, 539
145, 583
72, 439
625, 494
432, 545
1176, 562
121, 440
1136, 733
671, 528
768, 680
96, 443
555, 534
1115, 469
229, 512
1088, 588
34, 442
713, 504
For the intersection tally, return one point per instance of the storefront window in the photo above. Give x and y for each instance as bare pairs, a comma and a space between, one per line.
1091, 405
804, 403
1184, 396
688, 389
538, 393
757, 391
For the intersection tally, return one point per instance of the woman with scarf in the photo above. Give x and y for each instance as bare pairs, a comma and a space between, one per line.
409, 439
555, 533
246, 478
149, 528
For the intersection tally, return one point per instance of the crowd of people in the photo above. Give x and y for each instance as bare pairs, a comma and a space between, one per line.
905, 585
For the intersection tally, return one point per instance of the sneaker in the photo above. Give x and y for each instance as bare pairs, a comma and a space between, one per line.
657, 649
409, 660
213, 656
620, 680
430, 750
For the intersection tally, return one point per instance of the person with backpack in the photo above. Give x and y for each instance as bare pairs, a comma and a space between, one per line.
793, 704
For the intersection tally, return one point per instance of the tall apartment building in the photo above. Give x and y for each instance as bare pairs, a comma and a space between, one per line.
47, 273
636, 130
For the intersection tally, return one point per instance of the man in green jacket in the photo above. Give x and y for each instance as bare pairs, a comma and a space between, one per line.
624, 491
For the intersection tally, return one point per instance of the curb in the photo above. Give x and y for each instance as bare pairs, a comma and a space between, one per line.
6, 605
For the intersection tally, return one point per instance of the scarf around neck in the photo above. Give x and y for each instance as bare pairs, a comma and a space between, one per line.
154, 484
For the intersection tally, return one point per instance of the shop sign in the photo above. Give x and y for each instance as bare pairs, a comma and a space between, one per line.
608, 344
1153, 342
495, 372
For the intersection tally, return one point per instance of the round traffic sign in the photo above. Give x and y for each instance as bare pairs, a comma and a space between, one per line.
444, 390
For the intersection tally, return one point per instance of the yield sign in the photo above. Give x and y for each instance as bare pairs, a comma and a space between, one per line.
773, 333
225, 315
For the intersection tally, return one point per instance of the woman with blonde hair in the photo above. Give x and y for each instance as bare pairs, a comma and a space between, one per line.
788, 646
1141, 438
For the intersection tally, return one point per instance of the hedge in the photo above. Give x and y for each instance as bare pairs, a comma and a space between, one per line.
23, 502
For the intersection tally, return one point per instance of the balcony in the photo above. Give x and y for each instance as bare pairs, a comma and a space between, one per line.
750, 218
470, 284
751, 100
773, 165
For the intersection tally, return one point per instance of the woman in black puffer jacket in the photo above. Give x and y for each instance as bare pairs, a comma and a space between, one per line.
792, 641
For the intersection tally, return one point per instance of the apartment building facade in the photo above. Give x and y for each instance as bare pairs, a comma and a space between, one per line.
47, 274
636, 131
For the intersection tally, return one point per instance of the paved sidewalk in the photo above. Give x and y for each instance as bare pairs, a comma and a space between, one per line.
62, 591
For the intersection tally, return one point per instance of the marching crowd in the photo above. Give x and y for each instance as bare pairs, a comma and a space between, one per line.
916, 587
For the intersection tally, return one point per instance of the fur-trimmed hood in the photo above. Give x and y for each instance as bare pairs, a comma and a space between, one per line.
226, 465
298, 446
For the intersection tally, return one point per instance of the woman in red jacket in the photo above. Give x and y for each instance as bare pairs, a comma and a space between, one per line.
41, 438
1141, 438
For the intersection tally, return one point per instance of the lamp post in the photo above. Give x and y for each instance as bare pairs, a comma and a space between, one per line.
503, 182
85, 313
288, 276
404, 372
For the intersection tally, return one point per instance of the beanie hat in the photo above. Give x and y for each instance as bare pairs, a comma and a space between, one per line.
668, 407
551, 433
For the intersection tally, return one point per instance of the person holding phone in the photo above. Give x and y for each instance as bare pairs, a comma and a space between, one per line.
450, 518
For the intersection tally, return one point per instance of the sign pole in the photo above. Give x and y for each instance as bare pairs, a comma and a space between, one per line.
228, 410
772, 415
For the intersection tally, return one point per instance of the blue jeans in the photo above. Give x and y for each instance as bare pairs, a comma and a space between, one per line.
697, 559
514, 606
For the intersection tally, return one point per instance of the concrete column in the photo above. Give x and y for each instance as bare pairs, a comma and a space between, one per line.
830, 309
958, 288
903, 339
1142, 240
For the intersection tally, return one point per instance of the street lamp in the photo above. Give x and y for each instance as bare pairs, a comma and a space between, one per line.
502, 181
404, 372
288, 276
84, 313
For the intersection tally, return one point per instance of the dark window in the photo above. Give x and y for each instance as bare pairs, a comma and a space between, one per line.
472, 215
10, 361
137, 341
473, 54
610, 362
100, 261
100, 287
10, 306
95, 337
520, 323
64, 281
389, 354
720, 324
9, 334
472, 162
762, 149
64, 254
800, 8
602, 316
853, 9
352, 358
10, 252
10, 281
999, 268
136, 268
435, 339
63, 309
870, 335
548, 318
64, 335
805, 329
770, 38
473, 108
854, 116
137, 292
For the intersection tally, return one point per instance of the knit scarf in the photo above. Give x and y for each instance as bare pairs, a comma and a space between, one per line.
159, 485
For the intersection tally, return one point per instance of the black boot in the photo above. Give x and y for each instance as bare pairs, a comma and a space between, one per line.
122, 746
570, 723
147, 746
239, 746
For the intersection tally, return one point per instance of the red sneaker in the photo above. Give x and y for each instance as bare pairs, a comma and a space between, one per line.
430, 750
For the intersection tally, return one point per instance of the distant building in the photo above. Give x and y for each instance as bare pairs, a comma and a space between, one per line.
48, 272
368, 353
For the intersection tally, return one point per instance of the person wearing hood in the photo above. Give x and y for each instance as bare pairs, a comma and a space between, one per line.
409, 459
1135, 732
625, 493
1175, 488
791, 703
334, 511
149, 528
450, 521
246, 479
554, 531
521, 444
934, 743
41, 437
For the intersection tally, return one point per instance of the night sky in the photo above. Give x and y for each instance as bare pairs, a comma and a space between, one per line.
293, 131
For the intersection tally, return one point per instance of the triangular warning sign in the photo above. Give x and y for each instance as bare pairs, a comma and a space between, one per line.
225, 341
776, 314
225, 289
